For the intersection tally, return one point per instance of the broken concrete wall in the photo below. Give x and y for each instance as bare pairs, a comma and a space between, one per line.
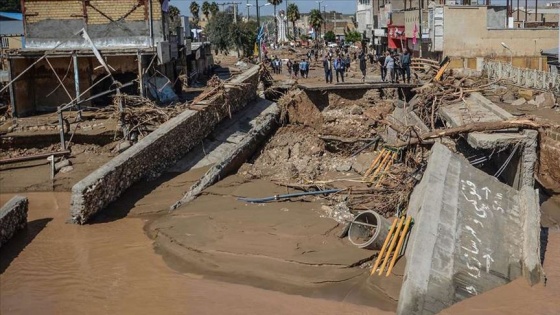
13, 217
471, 234
238, 154
159, 150
549, 158
124, 23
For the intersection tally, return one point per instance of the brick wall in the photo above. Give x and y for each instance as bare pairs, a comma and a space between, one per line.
135, 10
549, 157
36, 11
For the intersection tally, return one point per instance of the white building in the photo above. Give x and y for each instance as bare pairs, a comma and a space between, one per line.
364, 15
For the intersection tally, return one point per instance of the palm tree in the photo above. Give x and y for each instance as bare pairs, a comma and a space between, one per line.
275, 3
206, 9
214, 8
316, 20
293, 15
194, 8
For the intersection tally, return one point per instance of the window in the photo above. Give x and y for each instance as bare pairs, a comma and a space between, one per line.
5, 43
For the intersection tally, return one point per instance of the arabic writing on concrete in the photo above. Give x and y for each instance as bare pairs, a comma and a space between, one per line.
485, 205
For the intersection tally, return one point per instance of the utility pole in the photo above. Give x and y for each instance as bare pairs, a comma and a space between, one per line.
247, 10
420, 5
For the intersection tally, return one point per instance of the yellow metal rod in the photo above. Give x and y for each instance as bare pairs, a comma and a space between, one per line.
381, 166
384, 247
374, 164
399, 245
392, 245
387, 167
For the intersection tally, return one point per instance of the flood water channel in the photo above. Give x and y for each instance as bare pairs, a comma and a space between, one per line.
110, 267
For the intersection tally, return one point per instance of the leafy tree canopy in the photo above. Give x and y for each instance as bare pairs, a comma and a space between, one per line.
10, 5
353, 36
330, 36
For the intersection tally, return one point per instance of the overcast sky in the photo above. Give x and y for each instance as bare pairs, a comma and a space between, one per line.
344, 6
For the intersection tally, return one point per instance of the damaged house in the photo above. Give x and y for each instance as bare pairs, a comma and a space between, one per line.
78, 53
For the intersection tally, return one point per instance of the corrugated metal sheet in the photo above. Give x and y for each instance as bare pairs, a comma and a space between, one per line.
11, 28
11, 16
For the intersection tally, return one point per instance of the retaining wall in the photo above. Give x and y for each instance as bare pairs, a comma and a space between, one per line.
13, 217
549, 158
160, 149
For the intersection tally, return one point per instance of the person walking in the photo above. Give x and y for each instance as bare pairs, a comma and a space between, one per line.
382, 68
363, 65
347, 62
328, 67
295, 68
339, 68
390, 66
405, 64
289, 67
302, 67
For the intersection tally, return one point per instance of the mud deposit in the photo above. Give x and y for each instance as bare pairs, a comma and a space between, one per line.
287, 246
110, 268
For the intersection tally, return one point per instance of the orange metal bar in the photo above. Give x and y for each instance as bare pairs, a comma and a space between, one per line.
399, 246
393, 242
384, 247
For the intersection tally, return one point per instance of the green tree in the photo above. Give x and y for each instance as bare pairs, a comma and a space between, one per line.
214, 8
243, 36
330, 36
275, 3
10, 6
218, 31
316, 20
174, 18
353, 36
206, 9
293, 16
195, 9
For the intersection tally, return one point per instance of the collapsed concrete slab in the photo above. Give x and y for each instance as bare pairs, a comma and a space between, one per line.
471, 234
232, 151
160, 149
13, 217
476, 108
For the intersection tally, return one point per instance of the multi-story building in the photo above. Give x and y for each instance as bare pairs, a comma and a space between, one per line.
365, 16
76, 50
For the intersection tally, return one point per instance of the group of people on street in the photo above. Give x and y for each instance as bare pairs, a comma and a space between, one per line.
395, 66
298, 68
392, 65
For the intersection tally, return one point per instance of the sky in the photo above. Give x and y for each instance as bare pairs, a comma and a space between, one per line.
343, 6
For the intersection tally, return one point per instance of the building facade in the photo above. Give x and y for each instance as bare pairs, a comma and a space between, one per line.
79, 52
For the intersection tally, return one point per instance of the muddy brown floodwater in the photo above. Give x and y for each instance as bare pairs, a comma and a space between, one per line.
110, 268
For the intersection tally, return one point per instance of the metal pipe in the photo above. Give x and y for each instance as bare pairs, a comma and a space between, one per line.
12, 92
33, 157
140, 74
61, 124
287, 196
77, 83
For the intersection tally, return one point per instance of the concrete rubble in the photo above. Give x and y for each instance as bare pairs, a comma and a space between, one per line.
13, 217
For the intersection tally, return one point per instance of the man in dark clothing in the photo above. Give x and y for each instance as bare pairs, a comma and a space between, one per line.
339, 67
328, 66
381, 62
363, 65
295, 68
405, 64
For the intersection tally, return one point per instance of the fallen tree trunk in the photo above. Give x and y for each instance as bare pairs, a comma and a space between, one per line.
476, 127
